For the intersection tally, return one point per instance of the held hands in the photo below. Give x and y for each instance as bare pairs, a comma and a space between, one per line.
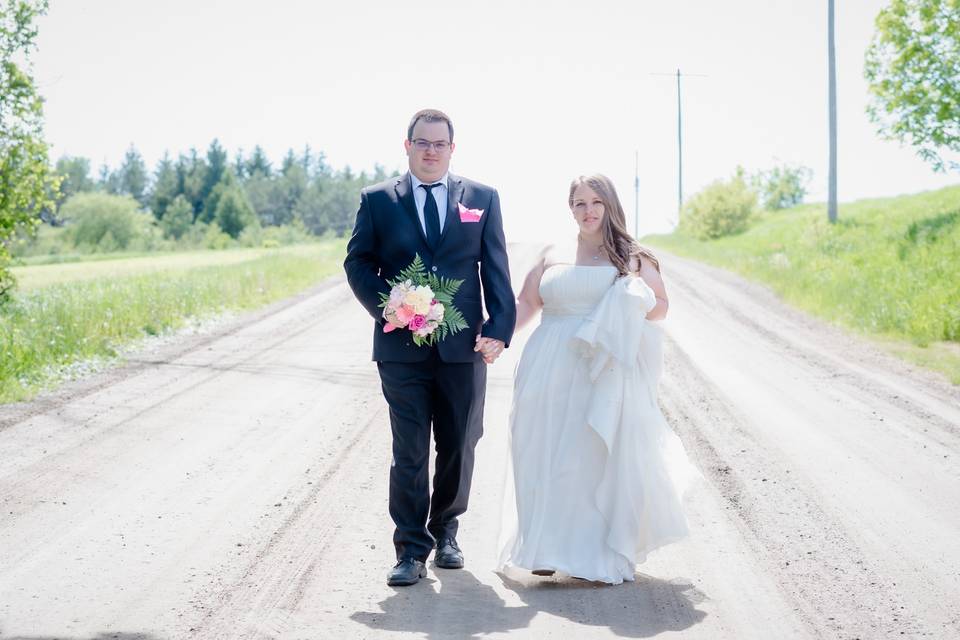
489, 348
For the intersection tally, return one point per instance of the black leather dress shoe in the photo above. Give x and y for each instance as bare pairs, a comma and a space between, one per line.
448, 554
406, 572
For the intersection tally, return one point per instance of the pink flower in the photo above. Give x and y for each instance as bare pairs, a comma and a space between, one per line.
469, 215
405, 314
389, 314
417, 322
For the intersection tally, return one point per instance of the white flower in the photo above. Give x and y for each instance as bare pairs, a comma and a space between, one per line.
436, 313
419, 299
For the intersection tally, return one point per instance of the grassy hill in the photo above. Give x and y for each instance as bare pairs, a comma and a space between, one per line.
889, 268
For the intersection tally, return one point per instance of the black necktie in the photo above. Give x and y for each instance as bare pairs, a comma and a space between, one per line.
431, 216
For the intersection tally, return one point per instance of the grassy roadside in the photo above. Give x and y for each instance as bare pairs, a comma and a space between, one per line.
42, 274
92, 310
889, 269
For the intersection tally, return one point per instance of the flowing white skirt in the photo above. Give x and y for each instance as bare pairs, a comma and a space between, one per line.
596, 474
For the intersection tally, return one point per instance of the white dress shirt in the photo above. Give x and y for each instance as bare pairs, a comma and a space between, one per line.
439, 194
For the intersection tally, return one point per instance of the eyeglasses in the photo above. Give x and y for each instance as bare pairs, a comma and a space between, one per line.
439, 146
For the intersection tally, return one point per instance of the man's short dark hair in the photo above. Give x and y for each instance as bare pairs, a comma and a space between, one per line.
429, 115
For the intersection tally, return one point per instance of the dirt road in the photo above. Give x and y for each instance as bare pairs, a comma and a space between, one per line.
233, 485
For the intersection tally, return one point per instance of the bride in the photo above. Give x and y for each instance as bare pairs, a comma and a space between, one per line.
597, 473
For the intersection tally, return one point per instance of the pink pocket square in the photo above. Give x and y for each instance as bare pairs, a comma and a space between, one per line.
469, 215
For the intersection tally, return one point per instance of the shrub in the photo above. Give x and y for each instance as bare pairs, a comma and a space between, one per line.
234, 213
723, 208
215, 238
782, 187
90, 217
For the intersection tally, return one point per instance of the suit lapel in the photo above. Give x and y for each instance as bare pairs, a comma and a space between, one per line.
405, 195
454, 195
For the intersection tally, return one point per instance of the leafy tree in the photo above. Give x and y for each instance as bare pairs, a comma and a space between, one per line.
27, 184
311, 209
234, 212
240, 165
132, 176
267, 197
379, 173
91, 216
227, 182
723, 208
306, 160
191, 171
216, 167
292, 184
177, 218
108, 181
913, 71
782, 187
341, 203
289, 161
75, 177
165, 187
258, 163
321, 170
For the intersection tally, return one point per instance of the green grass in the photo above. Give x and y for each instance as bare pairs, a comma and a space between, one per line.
890, 268
94, 267
64, 317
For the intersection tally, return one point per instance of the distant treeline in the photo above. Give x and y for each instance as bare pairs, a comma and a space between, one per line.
231, 192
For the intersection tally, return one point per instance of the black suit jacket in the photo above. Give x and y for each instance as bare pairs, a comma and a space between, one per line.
388, 234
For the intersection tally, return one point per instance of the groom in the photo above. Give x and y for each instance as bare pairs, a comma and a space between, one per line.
425, 212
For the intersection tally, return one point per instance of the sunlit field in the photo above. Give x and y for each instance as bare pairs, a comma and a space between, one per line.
66, 313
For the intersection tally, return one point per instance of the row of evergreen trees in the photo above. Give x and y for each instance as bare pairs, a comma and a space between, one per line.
233, 193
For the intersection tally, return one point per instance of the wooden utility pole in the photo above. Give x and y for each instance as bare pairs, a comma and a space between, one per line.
832, 64
680, 136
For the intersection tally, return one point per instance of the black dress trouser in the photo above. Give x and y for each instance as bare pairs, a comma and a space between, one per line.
449, 397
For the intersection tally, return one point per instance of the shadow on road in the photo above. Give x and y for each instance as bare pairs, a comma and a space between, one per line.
640, 609
103, 635
460, 606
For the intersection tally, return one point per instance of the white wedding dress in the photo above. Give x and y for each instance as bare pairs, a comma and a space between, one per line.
597, 474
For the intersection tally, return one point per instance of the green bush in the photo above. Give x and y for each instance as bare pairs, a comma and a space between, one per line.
723, 208
48, 241
782, 187
234, 212
103, 222
214, 237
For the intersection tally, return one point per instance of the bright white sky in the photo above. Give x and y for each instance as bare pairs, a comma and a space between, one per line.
539, 92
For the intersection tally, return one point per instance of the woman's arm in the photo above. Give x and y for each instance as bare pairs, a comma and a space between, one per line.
528, 300
654, 280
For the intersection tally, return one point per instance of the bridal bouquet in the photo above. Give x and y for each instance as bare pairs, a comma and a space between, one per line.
423, 303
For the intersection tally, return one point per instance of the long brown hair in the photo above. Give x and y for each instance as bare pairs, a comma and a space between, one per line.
619, 245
